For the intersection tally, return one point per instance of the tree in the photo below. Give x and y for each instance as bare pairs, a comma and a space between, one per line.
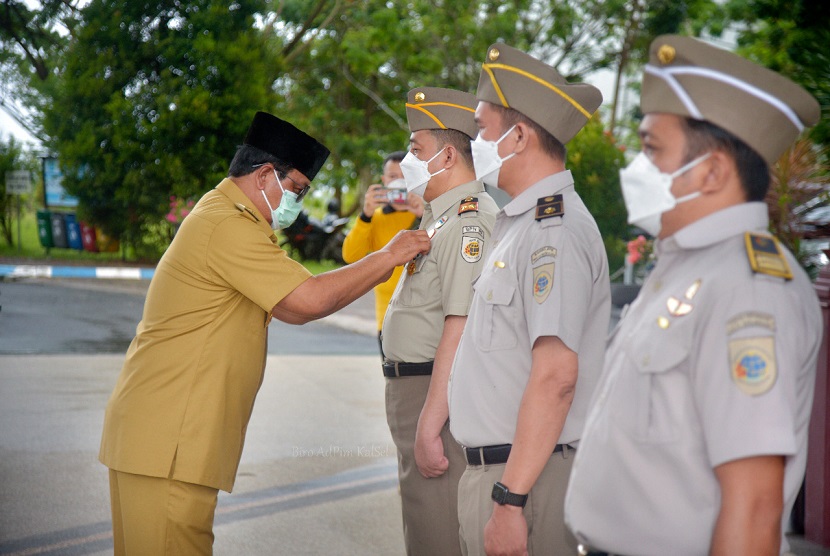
31, 42
12, 157
153, 100
790, 37
595, 159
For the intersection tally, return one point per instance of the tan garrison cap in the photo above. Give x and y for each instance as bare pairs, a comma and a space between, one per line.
435, 108
691, 78
513, 79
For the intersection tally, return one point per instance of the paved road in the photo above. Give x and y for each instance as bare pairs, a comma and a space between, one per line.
317, 474
96, 316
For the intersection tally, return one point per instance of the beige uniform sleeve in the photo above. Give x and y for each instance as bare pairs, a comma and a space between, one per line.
460, 256
242, 255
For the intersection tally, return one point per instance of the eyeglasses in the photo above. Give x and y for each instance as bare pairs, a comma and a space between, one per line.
303, 188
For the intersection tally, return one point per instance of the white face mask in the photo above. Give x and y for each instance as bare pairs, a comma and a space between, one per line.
647, 191
486, 159
416, 172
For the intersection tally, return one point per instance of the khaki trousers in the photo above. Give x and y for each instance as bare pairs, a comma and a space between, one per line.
544, 512
430, 511
157, 516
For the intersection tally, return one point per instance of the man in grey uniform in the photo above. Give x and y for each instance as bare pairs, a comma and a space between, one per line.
696, 438
539, 315
426, 316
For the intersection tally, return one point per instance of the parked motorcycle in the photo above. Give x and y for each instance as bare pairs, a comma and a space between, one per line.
314, 241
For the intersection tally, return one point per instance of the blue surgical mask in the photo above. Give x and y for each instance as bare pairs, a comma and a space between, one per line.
289, 209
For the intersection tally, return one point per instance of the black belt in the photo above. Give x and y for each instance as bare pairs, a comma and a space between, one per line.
393, 369
495, 455
583, 550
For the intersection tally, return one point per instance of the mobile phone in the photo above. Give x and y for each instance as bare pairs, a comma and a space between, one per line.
396, 196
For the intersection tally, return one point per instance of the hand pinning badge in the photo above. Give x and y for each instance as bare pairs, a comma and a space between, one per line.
415, 264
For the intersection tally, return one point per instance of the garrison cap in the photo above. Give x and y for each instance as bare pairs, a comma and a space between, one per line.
436, 108
284, 141
513, 79
691, 78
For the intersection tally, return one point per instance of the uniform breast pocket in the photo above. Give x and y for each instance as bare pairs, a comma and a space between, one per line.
415, 288
497, 326
662, 391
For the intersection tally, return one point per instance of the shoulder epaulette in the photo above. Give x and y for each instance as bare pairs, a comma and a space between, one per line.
547, 207
243, 209
765, 256
470, 204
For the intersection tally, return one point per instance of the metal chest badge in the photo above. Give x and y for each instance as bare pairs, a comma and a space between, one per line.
415, 264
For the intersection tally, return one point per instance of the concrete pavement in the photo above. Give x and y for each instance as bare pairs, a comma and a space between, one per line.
317, 476
318, 473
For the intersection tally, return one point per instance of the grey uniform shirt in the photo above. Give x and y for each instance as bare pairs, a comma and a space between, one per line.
440, 283
546, 277
711, 363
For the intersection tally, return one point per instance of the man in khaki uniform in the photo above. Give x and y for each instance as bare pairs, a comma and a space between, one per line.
696, 441
175, 424
378, 222
538, 318
427, 313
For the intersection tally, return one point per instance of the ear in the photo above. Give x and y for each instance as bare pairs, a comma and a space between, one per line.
719, 172
450, 156
522, 133
261, 176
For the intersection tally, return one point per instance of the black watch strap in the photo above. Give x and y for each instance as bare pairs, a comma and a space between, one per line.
502, 495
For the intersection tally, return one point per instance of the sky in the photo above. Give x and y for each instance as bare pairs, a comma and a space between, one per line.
9, 127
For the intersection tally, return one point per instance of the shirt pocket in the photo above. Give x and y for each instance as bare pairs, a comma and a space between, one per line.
662, 389
497, 326
416, 287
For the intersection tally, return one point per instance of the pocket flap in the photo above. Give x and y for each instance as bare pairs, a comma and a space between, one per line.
498, 293
659, 357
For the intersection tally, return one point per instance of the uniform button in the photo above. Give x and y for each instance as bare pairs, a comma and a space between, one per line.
646, 360
490, 295
657, 285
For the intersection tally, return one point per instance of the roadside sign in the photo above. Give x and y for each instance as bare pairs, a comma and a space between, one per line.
18, 182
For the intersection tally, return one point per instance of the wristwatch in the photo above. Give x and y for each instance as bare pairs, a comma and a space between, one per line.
502, 495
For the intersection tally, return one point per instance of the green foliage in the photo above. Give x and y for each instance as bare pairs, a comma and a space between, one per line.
595, 159
790, 37
153, 101
14, 157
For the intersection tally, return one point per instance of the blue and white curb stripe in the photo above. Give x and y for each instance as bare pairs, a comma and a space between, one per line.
44, 271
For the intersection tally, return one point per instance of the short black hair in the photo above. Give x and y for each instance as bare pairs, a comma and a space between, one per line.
248, 158
459, 140
753, 171
396, 156
550, 144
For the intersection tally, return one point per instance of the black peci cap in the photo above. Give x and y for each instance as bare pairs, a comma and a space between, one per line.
292, 146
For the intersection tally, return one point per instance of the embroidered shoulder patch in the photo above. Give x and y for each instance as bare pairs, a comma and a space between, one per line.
548, 207
470, 249
765, 256
752, 364
542, 282
470, 204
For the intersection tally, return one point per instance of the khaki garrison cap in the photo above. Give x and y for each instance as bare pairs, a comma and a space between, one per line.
435, 108
513, 79
691, 78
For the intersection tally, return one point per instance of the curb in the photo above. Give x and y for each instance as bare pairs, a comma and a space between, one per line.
108, 272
